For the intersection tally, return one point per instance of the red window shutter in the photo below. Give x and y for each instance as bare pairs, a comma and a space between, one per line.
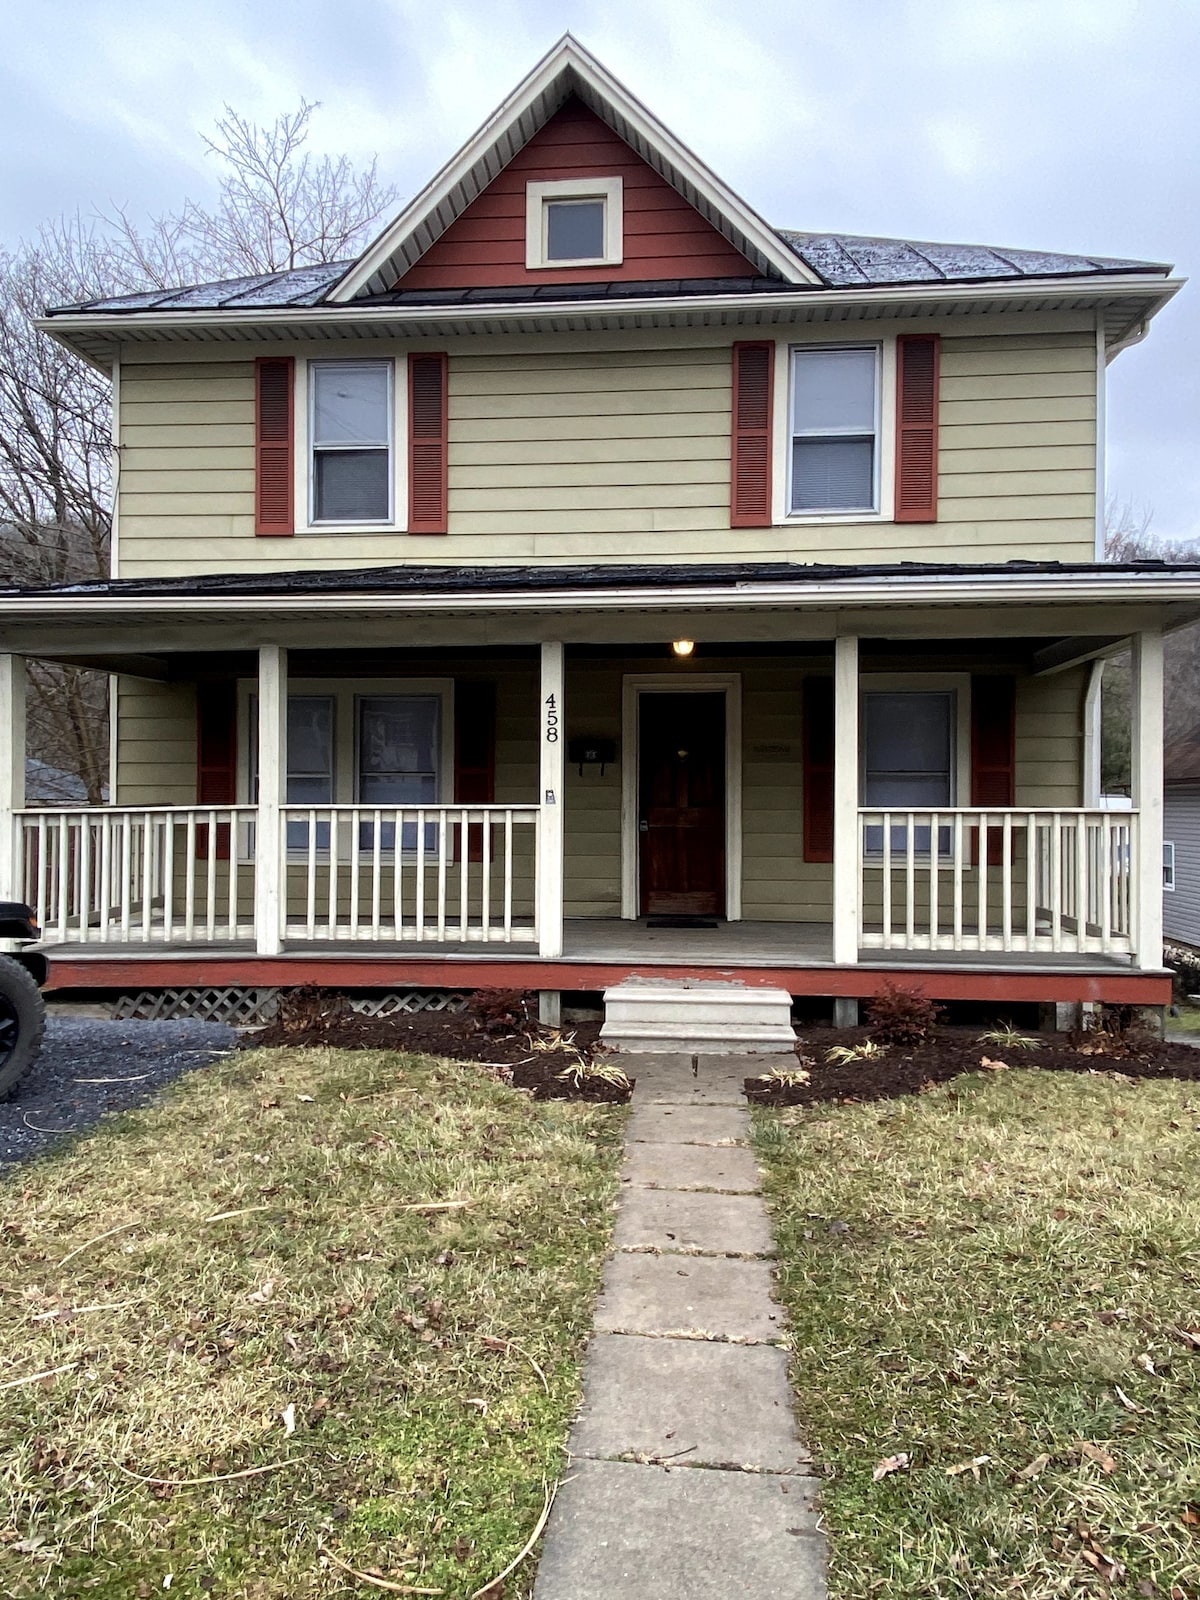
274, 436
428, 443
753, 409
918, 359
216, 757
474, 755
993, 751
818, 769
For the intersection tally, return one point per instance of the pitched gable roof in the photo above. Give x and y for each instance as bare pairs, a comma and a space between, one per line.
567, 71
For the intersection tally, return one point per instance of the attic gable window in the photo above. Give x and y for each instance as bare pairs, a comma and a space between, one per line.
574, 222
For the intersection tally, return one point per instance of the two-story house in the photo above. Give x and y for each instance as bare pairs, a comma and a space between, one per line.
592, 579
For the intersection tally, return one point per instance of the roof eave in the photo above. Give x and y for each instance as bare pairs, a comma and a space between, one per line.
88, 332
566, 67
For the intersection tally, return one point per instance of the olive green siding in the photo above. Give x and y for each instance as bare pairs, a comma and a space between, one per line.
157, 765
564, 453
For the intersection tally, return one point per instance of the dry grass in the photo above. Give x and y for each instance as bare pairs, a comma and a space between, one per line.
1000, 1280
248, 1276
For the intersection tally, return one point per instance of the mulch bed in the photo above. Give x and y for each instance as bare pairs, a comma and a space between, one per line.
501, 1034
909, 1069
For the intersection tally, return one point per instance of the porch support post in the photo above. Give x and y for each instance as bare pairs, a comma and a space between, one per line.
845, 801
552, 743
1146, 750
12, 771
272, 781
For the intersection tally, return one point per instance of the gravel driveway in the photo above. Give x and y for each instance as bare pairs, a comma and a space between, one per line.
88, 1068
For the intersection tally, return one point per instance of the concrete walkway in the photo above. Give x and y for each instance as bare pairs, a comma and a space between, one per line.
686, 1476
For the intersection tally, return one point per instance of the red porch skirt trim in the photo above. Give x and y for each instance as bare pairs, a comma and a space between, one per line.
357, 972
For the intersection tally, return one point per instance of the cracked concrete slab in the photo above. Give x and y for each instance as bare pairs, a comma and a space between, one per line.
731, 1169
688, 1124
690, 1296
715, 1405
692, 1219
631, 1532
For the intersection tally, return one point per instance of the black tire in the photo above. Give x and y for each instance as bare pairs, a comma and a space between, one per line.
22, 1023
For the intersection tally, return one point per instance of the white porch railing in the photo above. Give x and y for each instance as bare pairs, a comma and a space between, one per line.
146, 874
1061, 881
437, 874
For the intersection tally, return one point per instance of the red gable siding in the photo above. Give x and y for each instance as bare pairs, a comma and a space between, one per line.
665, 237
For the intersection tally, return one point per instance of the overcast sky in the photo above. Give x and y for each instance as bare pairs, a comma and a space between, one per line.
1068, 125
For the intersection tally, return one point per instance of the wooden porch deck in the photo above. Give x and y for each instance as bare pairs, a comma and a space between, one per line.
792, 955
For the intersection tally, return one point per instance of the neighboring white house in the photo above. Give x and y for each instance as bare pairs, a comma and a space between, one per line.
1181, 840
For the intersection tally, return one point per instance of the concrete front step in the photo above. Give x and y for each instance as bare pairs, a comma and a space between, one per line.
699, 1015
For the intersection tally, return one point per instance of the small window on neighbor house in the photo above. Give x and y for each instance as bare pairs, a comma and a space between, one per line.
835, 430
351, 433
574, 222
1168, 865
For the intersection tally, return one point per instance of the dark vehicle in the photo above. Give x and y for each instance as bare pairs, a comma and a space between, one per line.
23, 971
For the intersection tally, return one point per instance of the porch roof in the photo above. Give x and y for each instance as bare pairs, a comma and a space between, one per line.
1066, 613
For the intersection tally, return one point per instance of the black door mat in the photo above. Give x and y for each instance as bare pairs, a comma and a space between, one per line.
681, 922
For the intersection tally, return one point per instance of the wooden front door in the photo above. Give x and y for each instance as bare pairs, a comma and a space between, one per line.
681, 804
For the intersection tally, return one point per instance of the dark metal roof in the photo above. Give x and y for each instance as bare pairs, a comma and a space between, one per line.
842, 261
847, 261
484, 580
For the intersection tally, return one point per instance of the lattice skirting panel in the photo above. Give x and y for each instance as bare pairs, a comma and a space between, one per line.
240, 1006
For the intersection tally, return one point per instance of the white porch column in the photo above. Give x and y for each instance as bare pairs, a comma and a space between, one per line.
272, 788
12, 771
1146, 762
845, 801
552, 742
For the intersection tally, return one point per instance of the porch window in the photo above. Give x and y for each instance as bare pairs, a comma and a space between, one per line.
398, 739
835, 429
310, 773
350, 426
908, 762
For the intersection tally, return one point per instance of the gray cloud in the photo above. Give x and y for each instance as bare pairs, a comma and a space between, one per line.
1064, 124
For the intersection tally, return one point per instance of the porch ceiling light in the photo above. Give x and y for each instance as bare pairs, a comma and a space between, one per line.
683, 647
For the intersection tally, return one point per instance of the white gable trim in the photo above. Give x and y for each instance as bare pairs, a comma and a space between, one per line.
567, 69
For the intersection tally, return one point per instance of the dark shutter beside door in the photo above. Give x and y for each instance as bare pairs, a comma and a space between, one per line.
818, 769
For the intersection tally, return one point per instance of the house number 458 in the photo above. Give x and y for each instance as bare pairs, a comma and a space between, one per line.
551, 719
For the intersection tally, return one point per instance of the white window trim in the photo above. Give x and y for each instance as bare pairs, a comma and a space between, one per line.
885, 433
397, 522
610, 190
1168, 866
345, 693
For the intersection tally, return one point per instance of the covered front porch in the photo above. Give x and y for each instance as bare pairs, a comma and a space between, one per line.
609, 803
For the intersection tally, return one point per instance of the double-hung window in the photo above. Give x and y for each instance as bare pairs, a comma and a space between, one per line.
379, 748
908, 762
1169, 866
397, 762
351, 431
835, 426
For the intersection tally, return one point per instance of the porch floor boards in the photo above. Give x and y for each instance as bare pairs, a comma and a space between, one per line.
731, 945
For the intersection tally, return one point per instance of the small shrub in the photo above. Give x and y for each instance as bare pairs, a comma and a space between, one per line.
499, 1012
897, 1015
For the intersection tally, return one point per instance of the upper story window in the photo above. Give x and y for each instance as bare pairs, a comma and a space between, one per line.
574, 222
351, 441
835, 427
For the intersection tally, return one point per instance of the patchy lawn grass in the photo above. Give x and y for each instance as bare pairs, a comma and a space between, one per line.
1000, 1281
369, 1274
